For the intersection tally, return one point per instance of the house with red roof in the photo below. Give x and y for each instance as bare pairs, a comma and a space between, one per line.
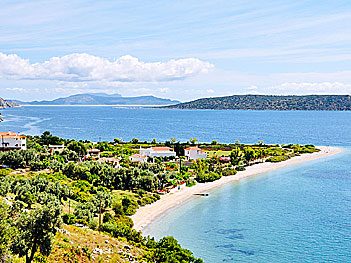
157, 152
12, 141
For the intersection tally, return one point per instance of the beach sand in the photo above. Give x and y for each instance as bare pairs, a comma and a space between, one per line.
146, 214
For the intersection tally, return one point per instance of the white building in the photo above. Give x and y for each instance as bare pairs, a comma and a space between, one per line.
138, 158
56, 148
157, 152
194, 153
12, 141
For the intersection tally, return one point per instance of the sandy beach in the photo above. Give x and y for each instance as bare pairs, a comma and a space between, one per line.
146, 214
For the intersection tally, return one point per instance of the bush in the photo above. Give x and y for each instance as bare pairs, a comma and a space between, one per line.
129, 206
230, 171
93, 224
69, 219
240, 168
277, 159
5, 172
107, 217
208, 177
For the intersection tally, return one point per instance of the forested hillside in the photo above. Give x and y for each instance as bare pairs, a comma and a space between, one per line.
270, 102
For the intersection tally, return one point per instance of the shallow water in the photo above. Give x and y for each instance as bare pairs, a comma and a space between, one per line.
296, 214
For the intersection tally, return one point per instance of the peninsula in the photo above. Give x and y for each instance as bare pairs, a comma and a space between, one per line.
116, 188
270, 102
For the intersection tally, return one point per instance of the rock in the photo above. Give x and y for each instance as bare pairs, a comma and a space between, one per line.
106, 241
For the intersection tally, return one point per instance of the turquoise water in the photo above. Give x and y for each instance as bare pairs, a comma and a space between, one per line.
301, 213
297, 214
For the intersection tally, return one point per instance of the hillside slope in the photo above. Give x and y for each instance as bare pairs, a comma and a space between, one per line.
270, 102
6, 104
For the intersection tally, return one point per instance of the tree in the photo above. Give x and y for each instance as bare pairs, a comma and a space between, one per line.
193, 140
153, 141
179, 149
168, 250
135, 140
249, 154
214, 142
47, 138
36, 230
77, 147
236, 156
173, 140
6, 232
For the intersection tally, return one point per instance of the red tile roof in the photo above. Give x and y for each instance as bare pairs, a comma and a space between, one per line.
138, 156
161, 148
193, 149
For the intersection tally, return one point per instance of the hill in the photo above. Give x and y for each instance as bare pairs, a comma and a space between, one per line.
270, 102
7, 104
102, 99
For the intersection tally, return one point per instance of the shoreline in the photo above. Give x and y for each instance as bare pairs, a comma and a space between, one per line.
146, 214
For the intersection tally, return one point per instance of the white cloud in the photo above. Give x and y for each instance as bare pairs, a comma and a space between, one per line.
210, 91
163, 90
315, 88
85, 67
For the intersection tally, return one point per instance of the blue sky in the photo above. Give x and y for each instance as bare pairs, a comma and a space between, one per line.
175, 49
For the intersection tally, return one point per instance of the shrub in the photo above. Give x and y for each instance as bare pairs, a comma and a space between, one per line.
208, 177
93, 224
240, 168
129, 206
230, 171
107, 217
277, 159
69, 219
5, 172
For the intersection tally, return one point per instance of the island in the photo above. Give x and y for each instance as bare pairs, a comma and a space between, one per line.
63, 199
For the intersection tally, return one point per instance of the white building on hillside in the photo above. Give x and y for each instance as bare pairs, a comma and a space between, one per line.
194, 153
138, 158
12, 141
158, 152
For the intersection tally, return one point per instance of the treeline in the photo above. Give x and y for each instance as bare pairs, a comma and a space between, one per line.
270, 102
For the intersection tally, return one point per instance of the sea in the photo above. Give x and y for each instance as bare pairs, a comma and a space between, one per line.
300, 213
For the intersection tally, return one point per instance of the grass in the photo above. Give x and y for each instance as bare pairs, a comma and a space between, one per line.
79, 245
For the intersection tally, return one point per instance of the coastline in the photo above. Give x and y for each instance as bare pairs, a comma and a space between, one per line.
146, 214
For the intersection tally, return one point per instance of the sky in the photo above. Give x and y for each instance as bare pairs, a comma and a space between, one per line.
181, 50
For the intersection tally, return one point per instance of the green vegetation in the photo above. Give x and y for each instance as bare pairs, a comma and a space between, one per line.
43, 188
270, 102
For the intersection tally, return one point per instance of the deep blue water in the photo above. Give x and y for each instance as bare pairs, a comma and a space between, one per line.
301, 213
91, 123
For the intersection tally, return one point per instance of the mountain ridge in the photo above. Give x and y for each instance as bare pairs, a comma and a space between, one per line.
270, 102
102, 99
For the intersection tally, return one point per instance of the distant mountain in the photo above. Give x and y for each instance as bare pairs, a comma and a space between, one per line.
102, 99
7, 104
270, 102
